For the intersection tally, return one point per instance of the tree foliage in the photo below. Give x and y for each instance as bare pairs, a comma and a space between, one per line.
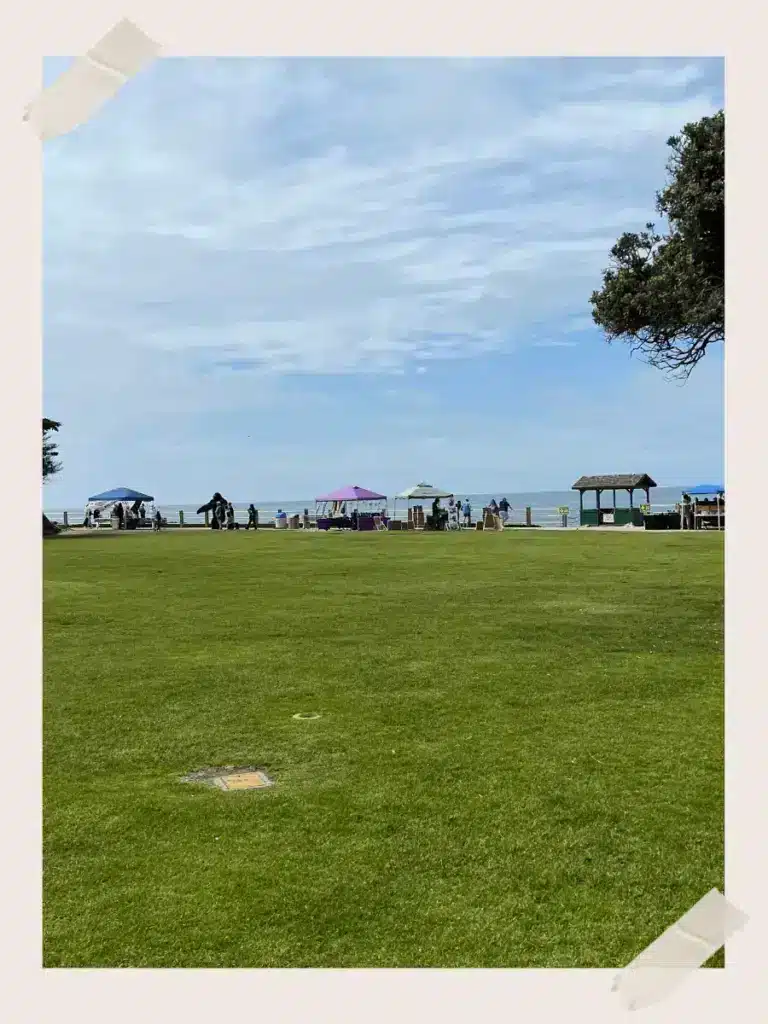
51, 462
664, 294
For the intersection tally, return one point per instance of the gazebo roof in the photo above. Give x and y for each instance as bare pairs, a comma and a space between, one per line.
619, 481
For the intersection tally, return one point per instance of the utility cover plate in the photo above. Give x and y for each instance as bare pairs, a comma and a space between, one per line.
231, 777
243, 780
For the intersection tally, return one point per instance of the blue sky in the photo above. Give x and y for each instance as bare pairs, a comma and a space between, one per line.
276, 277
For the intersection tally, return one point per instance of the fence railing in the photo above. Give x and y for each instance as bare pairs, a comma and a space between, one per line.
548, 517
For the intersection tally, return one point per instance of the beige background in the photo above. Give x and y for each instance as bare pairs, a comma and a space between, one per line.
35, 29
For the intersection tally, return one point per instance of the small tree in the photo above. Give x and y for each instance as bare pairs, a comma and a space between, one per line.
665, 294
51, 462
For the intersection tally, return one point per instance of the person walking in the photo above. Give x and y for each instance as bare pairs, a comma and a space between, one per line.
504, 509
157, 522
253, 518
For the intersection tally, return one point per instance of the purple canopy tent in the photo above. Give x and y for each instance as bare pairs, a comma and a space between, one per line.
353, 494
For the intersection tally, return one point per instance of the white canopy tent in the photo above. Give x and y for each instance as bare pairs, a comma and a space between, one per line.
420, 492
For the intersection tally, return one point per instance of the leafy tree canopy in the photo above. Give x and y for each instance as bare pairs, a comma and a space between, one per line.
51, 462
664, 295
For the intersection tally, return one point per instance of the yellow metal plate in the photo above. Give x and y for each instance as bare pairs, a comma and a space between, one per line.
248, 780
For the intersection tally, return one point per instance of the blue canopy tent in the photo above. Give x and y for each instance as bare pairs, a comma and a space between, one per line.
121, 494
118, 496
691, 512
708, 490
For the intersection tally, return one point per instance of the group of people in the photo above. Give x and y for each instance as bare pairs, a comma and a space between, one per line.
500, 509
124, 517
223, 517
223, 514
459, 511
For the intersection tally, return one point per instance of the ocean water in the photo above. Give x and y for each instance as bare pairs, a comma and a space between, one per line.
543, 504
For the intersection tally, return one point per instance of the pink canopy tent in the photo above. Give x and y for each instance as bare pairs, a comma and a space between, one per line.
353, 493
337, 500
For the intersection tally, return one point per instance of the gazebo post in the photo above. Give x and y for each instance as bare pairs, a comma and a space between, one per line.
648, 496
597, 504
631, 492
614, 499
718, 512
581, 508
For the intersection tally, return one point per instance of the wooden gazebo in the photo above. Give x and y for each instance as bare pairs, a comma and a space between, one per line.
614, 516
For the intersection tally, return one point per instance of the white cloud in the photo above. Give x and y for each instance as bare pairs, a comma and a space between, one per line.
296, 243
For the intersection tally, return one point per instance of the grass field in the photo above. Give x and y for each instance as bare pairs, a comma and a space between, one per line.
519, 761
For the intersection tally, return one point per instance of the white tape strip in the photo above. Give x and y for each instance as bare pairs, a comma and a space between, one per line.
682, 948
91, 80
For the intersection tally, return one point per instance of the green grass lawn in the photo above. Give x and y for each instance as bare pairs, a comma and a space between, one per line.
519, 761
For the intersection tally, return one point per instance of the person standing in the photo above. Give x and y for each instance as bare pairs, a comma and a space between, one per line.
436, 515
253, 520
688, 512
157, 522
467, 513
